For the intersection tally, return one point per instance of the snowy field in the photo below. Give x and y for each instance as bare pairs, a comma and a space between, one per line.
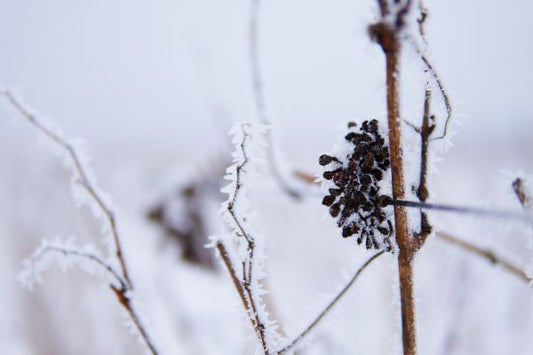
152, 89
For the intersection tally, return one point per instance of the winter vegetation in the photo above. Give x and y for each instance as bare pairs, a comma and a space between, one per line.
228, 219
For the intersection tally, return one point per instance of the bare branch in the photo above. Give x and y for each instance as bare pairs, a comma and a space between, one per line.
125, 301
248, 273
487, 254
443, 92
422, 192
259, 100
126, 285
80, 170
223, 252
333, 302
47, 249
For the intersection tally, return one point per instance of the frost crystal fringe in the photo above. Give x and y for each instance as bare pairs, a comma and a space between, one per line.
247, 272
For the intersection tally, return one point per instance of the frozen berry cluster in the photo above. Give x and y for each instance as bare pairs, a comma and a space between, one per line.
355, 200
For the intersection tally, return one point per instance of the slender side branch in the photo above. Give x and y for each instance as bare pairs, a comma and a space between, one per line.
80, 254
223, 252
422, 192
333, 302
259, 99
487, 254
124, 299
80, 170
248, 271
442, 90
126, 285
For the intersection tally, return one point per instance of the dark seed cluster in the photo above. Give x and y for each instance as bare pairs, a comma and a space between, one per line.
355, 201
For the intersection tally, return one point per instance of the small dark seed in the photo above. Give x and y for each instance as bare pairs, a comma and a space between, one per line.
334, 210
325, 159
328, 200
378, 174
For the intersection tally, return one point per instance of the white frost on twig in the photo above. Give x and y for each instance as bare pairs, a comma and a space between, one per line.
66, 256
248, 265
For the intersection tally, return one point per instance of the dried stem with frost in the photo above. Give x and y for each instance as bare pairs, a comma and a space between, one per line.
126, 287
387, 33
487, 254
245, 282
330, 305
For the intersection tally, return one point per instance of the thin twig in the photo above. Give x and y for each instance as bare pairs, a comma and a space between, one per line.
80, 170
248, 264
124, 299
436, 78
333, 302
487, 254
259, 99
85, 255
518, 215
422, 191
223, 252
126, 284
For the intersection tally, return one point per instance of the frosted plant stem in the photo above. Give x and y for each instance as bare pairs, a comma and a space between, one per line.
126, 285
248, 273
81, 254
83, 177
522, 216
259, 99
387, 34
436, 78
333, 302
487, 254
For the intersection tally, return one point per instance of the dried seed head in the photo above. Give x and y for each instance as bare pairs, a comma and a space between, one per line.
355, 200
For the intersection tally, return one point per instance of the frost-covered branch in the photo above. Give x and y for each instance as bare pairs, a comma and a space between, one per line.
237, 218
260, 103
436, 78
65, 255
487, 254
328, 308
422, 191
82, 176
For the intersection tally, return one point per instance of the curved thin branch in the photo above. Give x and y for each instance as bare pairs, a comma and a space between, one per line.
436, 78
126, 285
487, 254
259, 100
333, 302
80, 170
247, 265
81, 254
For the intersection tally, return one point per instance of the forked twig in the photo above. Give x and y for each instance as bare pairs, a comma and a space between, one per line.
328, 308
126, 286
80, 170
487, 254
244, 288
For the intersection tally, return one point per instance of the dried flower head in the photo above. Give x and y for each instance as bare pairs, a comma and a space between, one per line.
355, 198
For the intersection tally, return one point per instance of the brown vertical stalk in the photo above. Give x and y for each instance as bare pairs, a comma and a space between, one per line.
406, 253
386, 35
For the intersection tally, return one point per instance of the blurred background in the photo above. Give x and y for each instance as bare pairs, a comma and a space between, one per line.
152, 88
